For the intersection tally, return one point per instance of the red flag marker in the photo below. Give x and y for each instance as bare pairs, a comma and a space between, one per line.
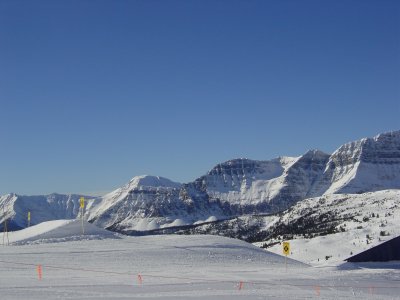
240, 285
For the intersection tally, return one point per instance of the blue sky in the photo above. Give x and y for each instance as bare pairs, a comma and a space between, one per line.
93, 93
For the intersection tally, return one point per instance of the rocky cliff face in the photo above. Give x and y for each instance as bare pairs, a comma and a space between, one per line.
300, 180
245, 186
240, 185
370, 164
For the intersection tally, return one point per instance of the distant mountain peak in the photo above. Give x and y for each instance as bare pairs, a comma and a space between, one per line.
369, 164
315, 152
152, 181
390, 134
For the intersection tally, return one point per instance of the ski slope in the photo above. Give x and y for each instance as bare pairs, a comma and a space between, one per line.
170, 267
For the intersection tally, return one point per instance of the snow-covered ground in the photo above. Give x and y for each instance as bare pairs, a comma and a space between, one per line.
101, 265
363, 221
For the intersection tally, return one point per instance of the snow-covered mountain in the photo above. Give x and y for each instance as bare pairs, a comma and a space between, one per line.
230, 189
370, 164
15, 208
249, 186
148, 203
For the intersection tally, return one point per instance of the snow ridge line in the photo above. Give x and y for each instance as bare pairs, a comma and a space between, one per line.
204, 279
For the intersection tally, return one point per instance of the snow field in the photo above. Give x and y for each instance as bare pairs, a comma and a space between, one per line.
365, 220
171, 267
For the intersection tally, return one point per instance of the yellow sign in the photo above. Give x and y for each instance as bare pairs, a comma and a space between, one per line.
29, 215
286, 248
82, 202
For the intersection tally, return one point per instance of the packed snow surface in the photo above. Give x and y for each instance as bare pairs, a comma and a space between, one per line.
172, 267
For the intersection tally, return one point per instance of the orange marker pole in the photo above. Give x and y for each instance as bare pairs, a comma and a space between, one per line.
317, 290
39, 271
371, 290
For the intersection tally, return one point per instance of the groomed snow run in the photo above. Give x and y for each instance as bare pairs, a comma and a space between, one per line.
45, 262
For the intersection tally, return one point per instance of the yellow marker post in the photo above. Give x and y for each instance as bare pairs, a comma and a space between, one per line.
82, 207
286, 251
82, 202
29, 218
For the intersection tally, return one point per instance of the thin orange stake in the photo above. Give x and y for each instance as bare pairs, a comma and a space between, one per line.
39, 271
140, 279
317, 290
371, 290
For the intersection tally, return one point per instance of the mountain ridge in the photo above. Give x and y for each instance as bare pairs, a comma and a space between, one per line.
232, 188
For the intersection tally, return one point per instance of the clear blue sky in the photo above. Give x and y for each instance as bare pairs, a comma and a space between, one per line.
93, 93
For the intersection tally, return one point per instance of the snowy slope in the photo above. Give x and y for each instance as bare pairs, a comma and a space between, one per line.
178, 267
331, 228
